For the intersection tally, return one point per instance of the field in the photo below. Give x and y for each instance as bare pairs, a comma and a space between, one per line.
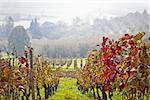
67, 90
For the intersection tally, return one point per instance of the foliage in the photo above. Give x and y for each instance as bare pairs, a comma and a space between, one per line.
121, 64
20, 79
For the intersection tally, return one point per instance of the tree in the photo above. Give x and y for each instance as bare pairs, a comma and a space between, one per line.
35, 29
18, 39
9, 25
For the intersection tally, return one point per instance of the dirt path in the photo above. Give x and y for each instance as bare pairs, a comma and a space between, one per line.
67, 74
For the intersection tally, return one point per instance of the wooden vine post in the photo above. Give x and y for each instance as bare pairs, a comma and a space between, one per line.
81, 64
31, 72
75, 63
28, 74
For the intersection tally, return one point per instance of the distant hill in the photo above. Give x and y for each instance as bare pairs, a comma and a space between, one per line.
130, 23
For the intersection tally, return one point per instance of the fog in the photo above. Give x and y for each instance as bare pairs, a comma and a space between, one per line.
70, 28
65, 10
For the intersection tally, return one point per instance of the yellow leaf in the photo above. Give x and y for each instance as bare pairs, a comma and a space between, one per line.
139, 36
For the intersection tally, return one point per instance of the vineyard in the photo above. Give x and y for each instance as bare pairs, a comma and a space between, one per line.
115, 70
121, 65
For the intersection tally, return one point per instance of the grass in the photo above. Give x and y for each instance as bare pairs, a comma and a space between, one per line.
67, 90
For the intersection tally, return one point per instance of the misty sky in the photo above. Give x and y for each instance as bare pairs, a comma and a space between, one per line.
68, 9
